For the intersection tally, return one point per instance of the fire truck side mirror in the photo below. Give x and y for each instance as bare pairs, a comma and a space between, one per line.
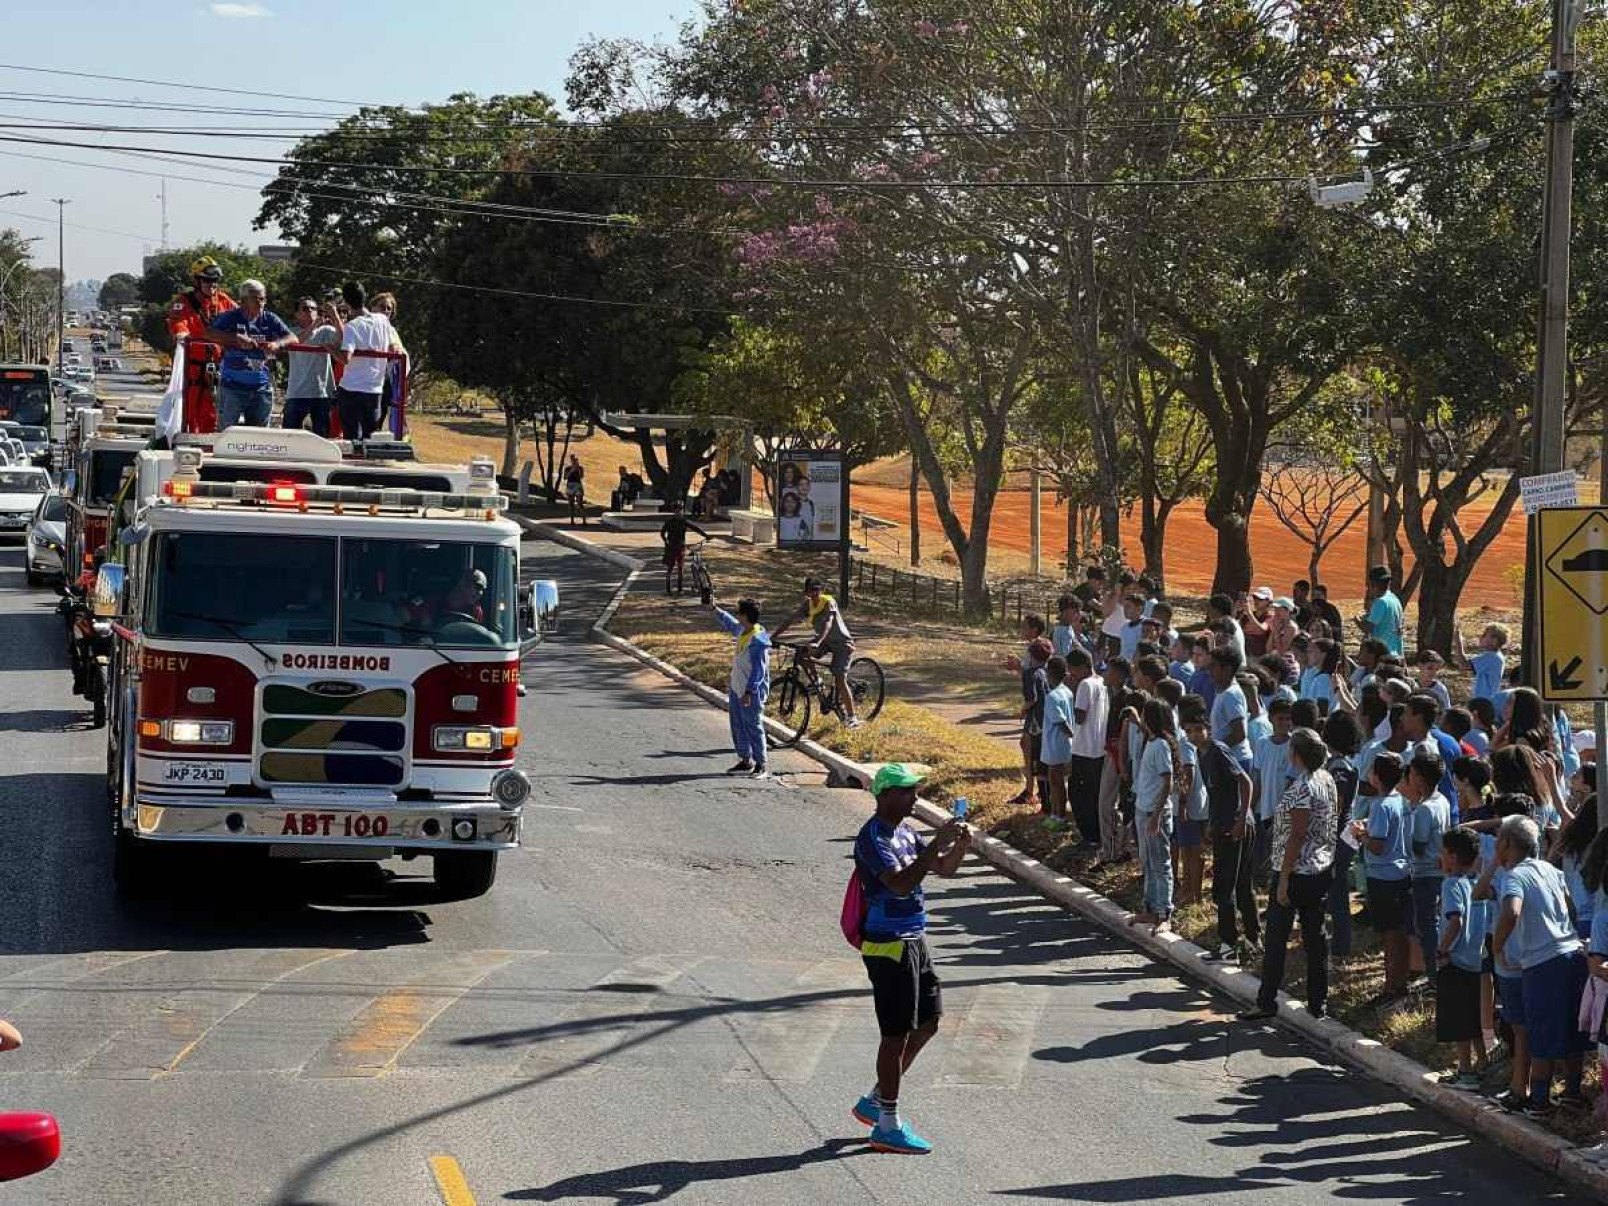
107, 599
544, 604
29, 1143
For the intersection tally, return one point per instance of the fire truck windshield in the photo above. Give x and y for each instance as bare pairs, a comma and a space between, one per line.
431, 592
283, 589
106, 467
25, 396
259, 589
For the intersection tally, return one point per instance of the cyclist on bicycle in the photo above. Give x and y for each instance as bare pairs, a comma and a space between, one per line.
832, 640
674, 534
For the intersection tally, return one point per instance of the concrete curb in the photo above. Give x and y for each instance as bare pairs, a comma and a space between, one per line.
1552, 1153
578, 543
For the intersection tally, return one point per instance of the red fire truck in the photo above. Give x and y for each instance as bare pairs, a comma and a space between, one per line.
315, 655
99, 453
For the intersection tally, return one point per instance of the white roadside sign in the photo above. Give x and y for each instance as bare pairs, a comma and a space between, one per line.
1549, 490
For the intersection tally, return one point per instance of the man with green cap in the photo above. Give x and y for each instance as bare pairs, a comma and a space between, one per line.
892, 861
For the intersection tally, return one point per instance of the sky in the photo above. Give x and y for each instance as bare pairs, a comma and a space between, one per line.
401, 52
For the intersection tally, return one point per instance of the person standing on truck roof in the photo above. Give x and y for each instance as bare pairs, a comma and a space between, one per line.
249, 333
357, 398
189, 315
391, 387
310, 390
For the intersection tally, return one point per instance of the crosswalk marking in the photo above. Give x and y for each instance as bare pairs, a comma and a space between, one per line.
615, 1010
995, 1036
787, 1045
371, 1042
159, 1042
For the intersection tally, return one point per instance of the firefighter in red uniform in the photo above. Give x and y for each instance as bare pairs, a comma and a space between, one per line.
189, 315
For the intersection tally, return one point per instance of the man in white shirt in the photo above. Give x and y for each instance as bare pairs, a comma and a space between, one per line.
357, 399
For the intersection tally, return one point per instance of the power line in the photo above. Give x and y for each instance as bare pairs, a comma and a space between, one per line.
681, 178
521, 293
15, 213
97, 102
127, 79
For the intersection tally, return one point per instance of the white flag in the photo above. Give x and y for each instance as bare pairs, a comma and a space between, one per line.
170, 415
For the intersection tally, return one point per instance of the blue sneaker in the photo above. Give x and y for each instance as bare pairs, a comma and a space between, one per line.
867, 1111
903, 1140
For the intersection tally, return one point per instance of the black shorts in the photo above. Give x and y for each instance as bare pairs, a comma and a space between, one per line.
1389, 904
1457, 1005
838, 655
905, 989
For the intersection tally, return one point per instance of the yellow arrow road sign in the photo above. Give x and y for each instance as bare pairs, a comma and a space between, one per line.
1574, 603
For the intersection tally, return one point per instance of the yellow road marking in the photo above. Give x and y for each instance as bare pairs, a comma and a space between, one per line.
450, 1181
392, 1021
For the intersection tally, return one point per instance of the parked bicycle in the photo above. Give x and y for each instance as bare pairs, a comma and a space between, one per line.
803, 687
688, 558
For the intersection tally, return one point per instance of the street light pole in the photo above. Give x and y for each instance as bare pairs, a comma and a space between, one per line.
61, 283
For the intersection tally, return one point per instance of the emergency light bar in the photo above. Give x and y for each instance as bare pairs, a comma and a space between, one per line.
293, 494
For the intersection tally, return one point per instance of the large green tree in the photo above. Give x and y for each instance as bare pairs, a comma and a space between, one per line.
599, 309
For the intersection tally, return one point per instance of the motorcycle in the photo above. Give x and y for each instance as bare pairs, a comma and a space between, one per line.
89, 651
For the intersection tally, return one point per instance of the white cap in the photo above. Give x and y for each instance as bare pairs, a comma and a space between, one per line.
1583, 739
1262, 592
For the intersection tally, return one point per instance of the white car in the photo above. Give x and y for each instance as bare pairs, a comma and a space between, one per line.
21, 488
46, 540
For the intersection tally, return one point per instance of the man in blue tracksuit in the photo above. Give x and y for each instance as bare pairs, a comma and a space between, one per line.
748, 688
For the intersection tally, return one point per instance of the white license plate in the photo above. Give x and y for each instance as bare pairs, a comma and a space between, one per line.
193, 772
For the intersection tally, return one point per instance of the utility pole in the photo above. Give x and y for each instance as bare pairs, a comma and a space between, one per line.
163, 196
1552, 359
61, 282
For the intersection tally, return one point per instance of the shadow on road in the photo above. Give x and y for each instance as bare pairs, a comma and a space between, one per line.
656, 1180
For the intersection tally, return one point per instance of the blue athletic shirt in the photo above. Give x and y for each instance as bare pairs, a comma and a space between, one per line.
1544, 930
1487, 666
882, 847
1457, 900
1387, 819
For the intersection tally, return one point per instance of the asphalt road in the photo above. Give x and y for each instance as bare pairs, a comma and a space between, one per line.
652, 1004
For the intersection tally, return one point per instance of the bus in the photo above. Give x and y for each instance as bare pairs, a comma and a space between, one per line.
25, 398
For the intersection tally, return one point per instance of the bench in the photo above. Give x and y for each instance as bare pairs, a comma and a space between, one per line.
756, 527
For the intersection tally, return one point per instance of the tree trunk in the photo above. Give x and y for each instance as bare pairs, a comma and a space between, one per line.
1071, 537
510, 461
1233, 573
1153, 517
915, 512
1440, 589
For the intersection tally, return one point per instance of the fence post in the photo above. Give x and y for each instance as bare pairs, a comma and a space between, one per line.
873, 575
935, 593
1018, 606
915, 587
957, 594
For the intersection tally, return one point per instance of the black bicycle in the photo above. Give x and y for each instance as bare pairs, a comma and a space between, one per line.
803, 687
693, 560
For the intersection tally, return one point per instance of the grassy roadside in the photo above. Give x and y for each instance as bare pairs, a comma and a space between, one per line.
953, 672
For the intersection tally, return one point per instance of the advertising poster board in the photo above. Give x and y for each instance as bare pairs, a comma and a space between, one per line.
812, 500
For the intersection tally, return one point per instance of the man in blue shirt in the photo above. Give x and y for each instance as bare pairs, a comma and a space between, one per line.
1384, 619
1534, 905
748, 687
891, 862
250, 333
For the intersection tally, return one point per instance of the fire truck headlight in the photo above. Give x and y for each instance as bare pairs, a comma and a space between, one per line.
200, 732
465, 737
510, 788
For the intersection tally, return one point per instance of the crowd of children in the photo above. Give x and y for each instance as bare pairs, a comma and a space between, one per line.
1467, 829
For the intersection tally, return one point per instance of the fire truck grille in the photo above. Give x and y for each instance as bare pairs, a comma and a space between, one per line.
357, 739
